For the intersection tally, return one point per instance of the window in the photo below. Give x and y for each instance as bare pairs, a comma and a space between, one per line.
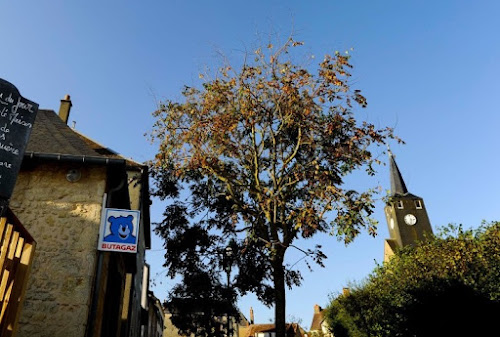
418, 204
399, 204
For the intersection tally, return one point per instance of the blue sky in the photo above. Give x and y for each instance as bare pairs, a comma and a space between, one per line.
428, 68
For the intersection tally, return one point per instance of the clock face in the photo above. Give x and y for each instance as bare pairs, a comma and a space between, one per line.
410, 219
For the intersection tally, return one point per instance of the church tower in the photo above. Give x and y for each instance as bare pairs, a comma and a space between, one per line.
406, 215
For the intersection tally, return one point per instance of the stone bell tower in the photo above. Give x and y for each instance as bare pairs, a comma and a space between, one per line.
406, 215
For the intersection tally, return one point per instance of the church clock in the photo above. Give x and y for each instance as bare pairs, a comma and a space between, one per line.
410, 219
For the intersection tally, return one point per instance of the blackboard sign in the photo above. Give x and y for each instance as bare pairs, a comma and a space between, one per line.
17, 116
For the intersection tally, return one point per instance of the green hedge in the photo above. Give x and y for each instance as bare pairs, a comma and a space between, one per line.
447, 285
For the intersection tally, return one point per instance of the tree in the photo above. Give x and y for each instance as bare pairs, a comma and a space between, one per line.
445, 286
200, 305
264, 152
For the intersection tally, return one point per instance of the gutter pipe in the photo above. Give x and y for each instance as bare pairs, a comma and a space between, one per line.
74, 158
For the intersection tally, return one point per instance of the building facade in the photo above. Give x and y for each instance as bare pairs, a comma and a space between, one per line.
155, 324
65, 183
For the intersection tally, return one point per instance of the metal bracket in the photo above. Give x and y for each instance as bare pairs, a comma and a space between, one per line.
4, 205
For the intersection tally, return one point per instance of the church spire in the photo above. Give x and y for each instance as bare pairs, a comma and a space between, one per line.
398, 186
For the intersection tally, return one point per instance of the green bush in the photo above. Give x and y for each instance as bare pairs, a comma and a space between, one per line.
447, 285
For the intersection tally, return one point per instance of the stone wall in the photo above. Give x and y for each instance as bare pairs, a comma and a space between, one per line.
64, 219
170, 329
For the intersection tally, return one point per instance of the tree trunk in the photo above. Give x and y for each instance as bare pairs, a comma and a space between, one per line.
279, 292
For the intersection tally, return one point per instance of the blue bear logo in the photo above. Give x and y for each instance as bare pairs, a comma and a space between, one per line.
121, 230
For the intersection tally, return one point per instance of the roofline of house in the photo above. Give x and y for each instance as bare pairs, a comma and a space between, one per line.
74, 158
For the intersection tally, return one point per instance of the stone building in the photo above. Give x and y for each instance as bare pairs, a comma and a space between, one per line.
65, 182
155, 324
406, 214
237, 325
319, 327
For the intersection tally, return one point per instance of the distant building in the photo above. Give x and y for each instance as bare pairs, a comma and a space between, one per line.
319, 327
236, 324
155, 325
65, 183
406, 214
269, 330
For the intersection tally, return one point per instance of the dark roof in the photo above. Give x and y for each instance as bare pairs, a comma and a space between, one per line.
392, 244
398, 186
106, 151
101, 149
254, 328
296, 328
317, 320
50, 135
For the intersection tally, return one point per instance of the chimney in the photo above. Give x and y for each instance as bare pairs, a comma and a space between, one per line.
317, 309
251, 315
65, 108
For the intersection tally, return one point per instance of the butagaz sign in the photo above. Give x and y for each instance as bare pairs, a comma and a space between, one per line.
17, 115
119, 230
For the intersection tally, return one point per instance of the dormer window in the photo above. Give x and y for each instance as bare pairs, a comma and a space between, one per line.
418, 204
399, 204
